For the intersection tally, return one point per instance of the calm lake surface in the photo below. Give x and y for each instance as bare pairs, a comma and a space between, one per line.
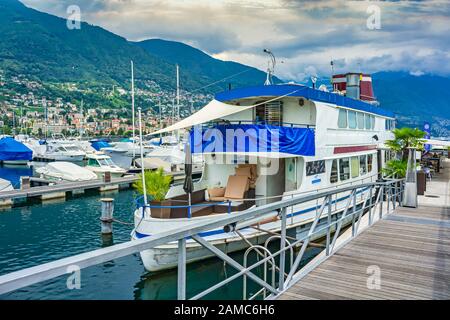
40, 233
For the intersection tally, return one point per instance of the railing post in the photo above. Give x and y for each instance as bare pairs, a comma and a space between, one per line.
327, 249
182, 269
282, 247
381, 201
389, 199
394, 197
370, 205
354, 213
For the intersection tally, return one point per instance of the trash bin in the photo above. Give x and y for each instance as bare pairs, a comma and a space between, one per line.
421, 182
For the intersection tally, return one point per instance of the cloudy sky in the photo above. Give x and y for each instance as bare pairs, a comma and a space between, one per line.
411, 36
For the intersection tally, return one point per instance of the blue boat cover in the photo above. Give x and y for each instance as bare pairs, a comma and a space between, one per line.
98, 145
253, 138
295, 90
11, 150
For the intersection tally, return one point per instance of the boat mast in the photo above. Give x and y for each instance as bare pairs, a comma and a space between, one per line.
178, 100
270, 67
178, 93
142, 159
81, 119
160, 118
132, 107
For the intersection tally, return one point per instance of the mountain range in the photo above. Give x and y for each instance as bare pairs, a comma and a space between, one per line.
40, 46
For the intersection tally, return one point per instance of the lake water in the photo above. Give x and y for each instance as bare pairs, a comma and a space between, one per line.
40, 233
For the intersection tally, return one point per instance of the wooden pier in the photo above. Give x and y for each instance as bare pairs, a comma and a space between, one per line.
406, 255
59, 190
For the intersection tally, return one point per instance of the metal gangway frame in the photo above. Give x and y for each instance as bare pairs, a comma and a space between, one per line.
380, 199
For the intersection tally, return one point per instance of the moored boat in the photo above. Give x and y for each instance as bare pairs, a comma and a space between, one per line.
65, 171
268, 143
101, 163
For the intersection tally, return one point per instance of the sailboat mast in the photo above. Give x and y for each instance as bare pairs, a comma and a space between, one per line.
178, 93
132, 107
81, 119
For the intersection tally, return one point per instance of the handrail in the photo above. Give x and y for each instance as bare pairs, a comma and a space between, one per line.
271, 123
32, 275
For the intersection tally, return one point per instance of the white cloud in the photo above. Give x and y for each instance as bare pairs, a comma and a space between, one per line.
302, 34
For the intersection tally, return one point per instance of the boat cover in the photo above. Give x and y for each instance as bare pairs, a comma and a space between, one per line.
98, 145
253, 138
12, 150
67, 171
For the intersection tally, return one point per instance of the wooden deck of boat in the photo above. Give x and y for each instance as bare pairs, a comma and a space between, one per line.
410, 248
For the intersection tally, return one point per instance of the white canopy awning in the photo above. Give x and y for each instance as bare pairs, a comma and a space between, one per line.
212, 111
442, 143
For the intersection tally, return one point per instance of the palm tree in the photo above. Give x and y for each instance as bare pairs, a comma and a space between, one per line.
406, 138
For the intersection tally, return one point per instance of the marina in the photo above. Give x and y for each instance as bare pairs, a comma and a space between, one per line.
238, 158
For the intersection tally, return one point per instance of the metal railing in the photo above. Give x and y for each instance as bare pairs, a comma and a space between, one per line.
381, 196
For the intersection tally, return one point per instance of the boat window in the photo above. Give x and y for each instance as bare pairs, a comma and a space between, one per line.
315, 167
342, 119
368, 122
352, 119
105, 162
362, 165
334, 172
93, 163
372, 122
369, 162
344, 169
270, 113
360, 120
72, 148
355, 167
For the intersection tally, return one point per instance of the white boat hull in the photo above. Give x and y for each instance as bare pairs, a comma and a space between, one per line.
166, 256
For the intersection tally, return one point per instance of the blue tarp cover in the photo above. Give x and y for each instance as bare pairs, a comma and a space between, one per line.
11, 150
97, 145
294, 90
253, 138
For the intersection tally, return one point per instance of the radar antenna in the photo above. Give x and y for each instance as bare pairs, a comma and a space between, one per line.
270, 67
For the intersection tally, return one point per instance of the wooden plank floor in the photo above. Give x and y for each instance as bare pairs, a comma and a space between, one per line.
410, 248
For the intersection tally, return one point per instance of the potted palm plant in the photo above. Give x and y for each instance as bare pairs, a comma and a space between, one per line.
157, 184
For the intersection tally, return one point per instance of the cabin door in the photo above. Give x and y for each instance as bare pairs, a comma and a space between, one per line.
273, 183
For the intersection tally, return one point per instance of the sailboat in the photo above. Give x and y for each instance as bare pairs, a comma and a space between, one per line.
123, 152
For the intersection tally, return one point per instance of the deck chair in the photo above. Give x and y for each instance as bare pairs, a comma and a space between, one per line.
236, 188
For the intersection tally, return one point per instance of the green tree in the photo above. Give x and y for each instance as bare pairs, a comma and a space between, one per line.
406, 138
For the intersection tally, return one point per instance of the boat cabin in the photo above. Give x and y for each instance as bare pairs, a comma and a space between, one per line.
265, 143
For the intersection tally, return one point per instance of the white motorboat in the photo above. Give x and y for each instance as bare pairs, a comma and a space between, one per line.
101, 163
62, 151
330, 141
5, 185
65, 171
